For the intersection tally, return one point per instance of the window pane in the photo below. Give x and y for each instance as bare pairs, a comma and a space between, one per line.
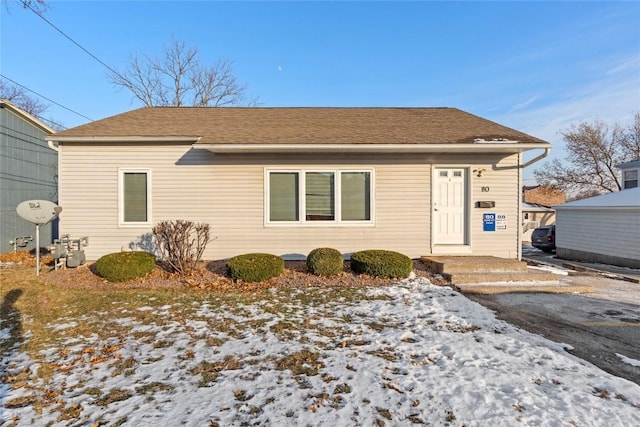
135, 197
630, 179
356, 196
283, 196
320, 200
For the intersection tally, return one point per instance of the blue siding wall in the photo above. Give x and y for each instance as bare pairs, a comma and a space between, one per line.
28, 169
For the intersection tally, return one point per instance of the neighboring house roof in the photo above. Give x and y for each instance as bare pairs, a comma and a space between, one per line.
620, 199
304, 126
631, 164
4, 103
543, 195
529, 207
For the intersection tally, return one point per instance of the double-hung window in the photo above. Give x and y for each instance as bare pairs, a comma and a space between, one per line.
134, 197
630, 179
319, 197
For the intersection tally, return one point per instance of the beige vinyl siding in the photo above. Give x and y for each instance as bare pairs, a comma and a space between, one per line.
227, 192
614, 232
501, 179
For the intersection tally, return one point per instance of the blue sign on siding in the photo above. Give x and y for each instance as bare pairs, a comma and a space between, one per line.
489, 222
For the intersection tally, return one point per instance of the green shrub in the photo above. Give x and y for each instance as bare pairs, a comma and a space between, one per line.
121, 266
255, 267
380, 263
325, 262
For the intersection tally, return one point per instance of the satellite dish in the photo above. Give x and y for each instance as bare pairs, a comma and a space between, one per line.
38, 212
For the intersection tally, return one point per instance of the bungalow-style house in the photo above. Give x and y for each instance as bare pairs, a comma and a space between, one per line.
537, 211
27, 172
534, 216
420, 181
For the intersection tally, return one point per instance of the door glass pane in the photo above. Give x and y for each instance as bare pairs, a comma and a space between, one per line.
283, 196
356, 196
320, 196
135, 197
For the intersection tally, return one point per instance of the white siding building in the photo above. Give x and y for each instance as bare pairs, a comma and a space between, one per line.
603, 229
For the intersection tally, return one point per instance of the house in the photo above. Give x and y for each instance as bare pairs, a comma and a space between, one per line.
27, 172
537, 211
534, 216
629, 172
421, 181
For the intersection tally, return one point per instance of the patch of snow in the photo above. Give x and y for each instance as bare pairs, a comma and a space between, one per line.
408, 353
550, 269
5, 333
624, 198
628, 360
62, 326
523, 283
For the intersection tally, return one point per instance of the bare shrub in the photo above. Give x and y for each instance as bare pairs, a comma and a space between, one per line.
181, 243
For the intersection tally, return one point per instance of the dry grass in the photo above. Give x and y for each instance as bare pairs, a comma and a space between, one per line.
72, 293
62, 307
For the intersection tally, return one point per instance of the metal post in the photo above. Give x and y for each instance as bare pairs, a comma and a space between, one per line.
37, 249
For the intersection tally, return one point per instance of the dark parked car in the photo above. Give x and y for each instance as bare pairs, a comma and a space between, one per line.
544, 238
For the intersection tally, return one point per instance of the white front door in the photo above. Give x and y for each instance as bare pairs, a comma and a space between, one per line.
449, 206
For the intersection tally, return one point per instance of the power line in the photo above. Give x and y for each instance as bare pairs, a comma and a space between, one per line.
55, 125
44, 97
70, 39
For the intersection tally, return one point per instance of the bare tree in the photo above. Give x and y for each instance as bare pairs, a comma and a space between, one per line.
594, 151
38, 6
631, 141
19, 97
177, 77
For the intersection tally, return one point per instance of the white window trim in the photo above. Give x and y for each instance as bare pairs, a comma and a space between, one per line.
302, 222
626, 180
121, 221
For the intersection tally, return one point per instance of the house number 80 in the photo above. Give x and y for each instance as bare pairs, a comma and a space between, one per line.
485, 189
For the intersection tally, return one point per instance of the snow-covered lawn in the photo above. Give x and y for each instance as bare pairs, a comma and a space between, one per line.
411, 353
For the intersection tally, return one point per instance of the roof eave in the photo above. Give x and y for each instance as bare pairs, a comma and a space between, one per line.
124, 139
372, 148
26, 116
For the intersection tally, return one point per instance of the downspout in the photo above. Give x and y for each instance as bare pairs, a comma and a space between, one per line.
52, 146
519, 209
537, 158
522, 166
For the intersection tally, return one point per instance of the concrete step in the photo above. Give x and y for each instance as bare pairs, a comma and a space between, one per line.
492, 277
481, 264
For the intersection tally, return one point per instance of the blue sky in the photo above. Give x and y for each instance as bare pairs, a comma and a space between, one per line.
534, 66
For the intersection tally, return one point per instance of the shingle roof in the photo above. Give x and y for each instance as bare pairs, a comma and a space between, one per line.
302, 126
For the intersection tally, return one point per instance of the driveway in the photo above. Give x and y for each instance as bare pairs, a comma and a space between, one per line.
602, 327
605, 333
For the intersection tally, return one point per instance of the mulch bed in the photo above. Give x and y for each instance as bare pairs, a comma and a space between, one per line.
211, 275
